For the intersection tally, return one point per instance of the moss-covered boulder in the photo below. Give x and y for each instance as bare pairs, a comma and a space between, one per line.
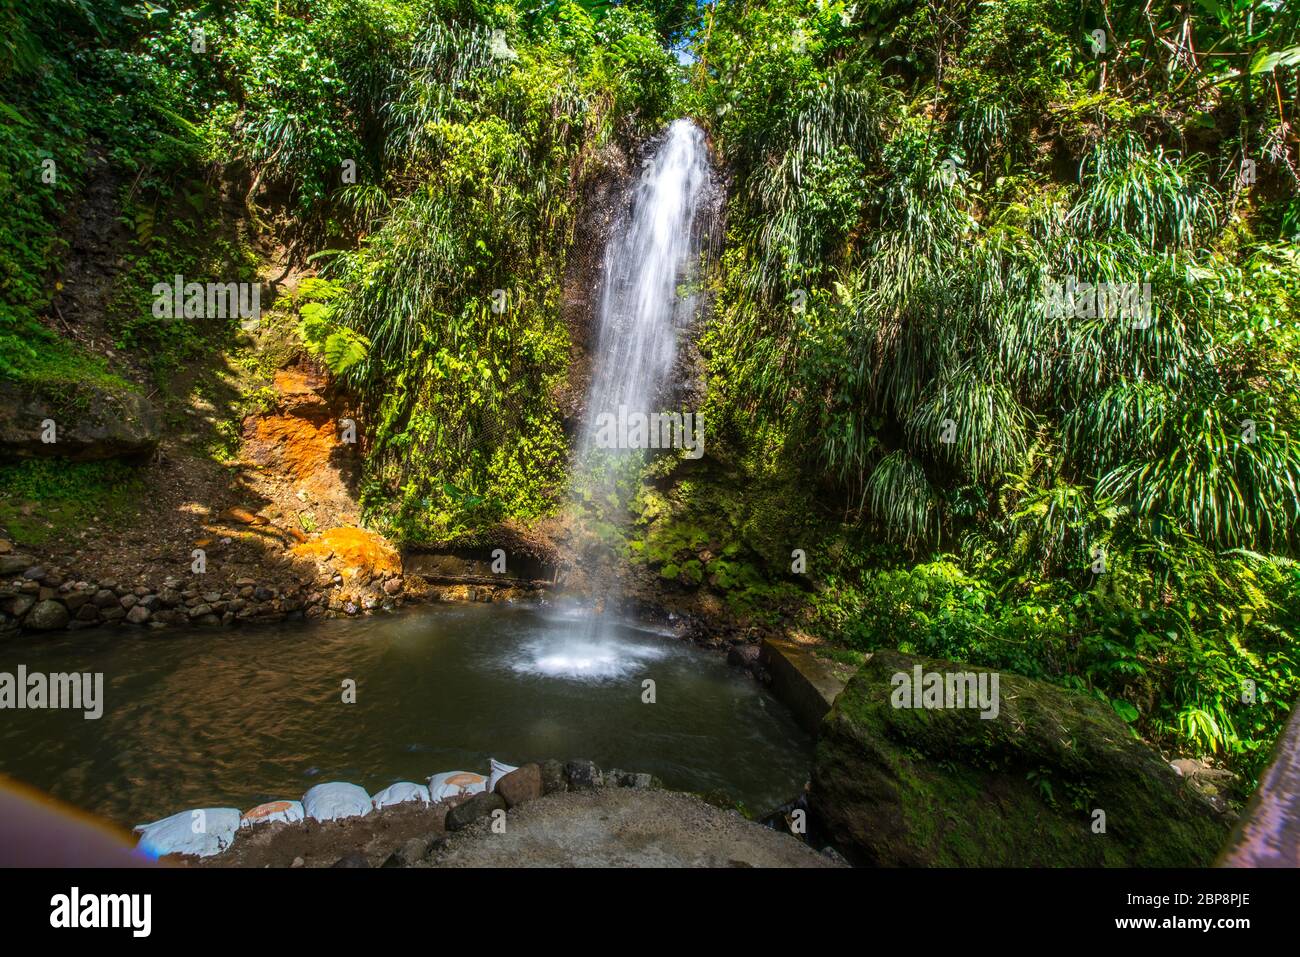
960, 786
87, 421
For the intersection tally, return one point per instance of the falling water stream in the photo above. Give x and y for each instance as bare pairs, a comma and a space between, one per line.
641, 312
645, 304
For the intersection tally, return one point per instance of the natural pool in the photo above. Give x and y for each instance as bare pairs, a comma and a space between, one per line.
231, 719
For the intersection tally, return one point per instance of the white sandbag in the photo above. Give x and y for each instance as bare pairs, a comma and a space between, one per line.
202, 832
451, 784
336, 800
400, 793
287, 812
499, 770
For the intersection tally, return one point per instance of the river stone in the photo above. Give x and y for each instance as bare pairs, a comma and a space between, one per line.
583, 775
13, 564
21, 605
743, 656
520, 785
411, 852
553, 777
901, 786
631, 779
479, 806
48, 615
138, 615
75, 599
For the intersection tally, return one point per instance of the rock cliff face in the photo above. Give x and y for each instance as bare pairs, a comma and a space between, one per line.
1033, 786
604, 197
298, 447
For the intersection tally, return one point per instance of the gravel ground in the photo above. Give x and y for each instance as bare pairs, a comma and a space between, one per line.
623, 827
322, 844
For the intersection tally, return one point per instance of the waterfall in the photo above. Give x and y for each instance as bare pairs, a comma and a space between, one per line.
640, 311
645, 303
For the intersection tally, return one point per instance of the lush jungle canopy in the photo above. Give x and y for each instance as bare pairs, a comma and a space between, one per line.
1002, 332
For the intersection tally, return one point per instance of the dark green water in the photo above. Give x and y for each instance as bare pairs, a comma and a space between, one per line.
231, 719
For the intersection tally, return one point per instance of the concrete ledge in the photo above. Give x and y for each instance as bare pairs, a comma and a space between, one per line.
805, 683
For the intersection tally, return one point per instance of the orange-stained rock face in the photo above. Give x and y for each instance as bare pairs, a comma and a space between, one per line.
356, 553
294, 444
296, 383
298, 444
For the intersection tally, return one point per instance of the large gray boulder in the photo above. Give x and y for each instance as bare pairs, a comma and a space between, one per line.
1031, 786
90, 422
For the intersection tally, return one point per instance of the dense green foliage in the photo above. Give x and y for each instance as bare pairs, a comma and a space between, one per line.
116, 93
918, 188
57, 99
907, 378
452, 301
71, 496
